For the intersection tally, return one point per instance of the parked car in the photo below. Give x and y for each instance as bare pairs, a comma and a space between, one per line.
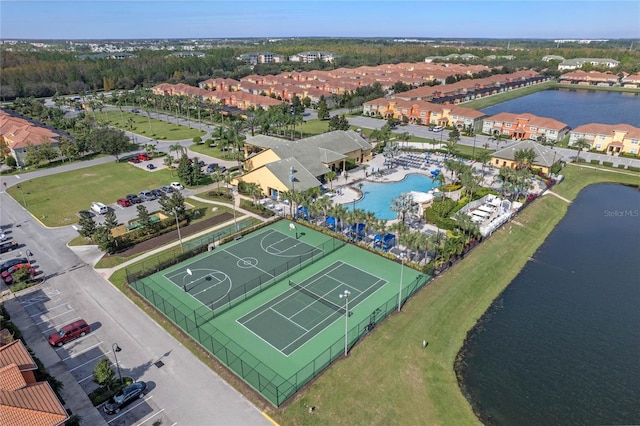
157, 192
123, 202
14, 268
134, 160
3, 236
124, 397
437, 129
99, 208
177, 185
85, 213
69, 332
9, 278
133, 198
214, 166
143, 157
9, 245
11, 262
201, 163
147, 195
168, 189
150, 166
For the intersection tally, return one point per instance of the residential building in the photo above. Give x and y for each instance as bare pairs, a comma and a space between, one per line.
17, 134
313, 55
255, 58
591, 78
23, 400
525, 126
572, 64
109, 55
545, 158
228, 84
549, 58
280, 165
421, 112
631, 81
610, 138
187, 54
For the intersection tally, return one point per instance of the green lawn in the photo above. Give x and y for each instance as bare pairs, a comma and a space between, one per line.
56, 199
389, 378
507, 96
578, 176
158, 129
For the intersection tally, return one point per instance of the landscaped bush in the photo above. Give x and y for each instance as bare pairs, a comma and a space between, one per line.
634, 169
595, 161
607, 163
256, 208
621, 166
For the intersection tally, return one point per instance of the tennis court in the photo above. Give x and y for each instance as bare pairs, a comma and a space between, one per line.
300, 313
231, 272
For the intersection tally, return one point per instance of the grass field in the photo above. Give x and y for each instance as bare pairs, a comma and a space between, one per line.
158, 129
56, 199
389, 378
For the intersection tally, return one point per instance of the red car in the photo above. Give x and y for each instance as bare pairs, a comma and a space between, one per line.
143, 157
9, 278
14, 268
123, 202
134, 160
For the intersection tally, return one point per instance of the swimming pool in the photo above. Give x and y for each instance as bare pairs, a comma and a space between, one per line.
377, 196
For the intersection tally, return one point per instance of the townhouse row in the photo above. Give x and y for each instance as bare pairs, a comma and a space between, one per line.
609, 138
596, 78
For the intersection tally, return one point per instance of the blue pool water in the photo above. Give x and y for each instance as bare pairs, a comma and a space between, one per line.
377, 196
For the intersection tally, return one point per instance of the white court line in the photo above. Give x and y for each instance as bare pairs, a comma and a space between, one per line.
56, 316
91, 360
48, 310
255, 267
81, 352
149, 418
288, 319
122, 413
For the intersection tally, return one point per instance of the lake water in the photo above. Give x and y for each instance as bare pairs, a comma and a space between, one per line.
576, 107
561, 345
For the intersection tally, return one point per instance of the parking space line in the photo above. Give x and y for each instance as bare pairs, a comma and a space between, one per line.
125, 412
46, 330
91, 360
81, 352
49, 309
86, 378
56, 316
149, 418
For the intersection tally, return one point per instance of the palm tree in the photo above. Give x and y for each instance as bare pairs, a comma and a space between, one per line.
178, 149
168, 162
580, 144
524, 158
329, 177
254, 190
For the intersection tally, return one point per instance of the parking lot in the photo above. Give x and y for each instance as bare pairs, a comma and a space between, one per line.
49, 311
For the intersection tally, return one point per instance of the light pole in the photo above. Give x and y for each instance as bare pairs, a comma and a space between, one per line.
292, 179
473, 153
345, 296
24, 200
184, 286
401, 277
175, 212
117, 349
233, 201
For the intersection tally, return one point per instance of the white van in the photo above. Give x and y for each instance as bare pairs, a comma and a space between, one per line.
437, 129
99, 207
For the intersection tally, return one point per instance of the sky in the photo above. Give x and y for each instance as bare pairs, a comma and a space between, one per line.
144, 19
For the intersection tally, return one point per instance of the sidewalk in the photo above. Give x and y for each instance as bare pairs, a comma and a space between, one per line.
76, 400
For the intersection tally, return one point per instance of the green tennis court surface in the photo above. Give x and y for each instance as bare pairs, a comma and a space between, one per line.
299, 314
268, 305
228, 273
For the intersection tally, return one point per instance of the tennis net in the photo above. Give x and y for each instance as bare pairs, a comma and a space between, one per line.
317, 297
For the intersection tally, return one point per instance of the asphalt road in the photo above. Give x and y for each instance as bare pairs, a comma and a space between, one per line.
182, 390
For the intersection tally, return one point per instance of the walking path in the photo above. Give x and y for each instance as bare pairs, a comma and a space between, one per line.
557, 195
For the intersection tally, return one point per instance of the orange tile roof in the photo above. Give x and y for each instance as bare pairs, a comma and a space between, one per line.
19, 133
608, 129
11, 378
16, 353
32, 405
543, 122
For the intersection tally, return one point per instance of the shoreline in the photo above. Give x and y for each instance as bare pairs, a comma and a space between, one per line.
469, 288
